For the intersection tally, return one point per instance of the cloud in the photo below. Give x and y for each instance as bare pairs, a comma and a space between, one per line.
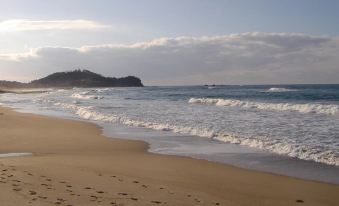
36, 25
246, 58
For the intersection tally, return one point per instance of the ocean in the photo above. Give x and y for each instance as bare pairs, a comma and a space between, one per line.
286, 129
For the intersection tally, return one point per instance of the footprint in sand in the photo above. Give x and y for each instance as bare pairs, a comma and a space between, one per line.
197, 200
68, 190
17, 189
93, 198
42, 197
61, 200
31, 192
123, 194
16, 180
156, 202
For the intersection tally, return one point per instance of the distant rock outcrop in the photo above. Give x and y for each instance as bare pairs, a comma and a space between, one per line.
12, 84
77, 78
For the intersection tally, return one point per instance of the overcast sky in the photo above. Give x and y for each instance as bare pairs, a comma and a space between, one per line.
173, 42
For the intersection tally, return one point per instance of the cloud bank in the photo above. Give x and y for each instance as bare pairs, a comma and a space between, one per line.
34, 25
246, 58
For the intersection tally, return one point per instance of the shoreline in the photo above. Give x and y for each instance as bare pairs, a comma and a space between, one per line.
302, 169
106, 131
69, 156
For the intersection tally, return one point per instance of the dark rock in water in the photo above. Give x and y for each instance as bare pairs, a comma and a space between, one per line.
76, 78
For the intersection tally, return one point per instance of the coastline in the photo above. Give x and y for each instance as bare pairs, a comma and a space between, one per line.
83, 167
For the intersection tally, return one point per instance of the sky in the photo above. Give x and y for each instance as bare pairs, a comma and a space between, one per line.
173, 42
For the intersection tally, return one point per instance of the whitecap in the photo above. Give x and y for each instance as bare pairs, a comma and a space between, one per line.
84, 95
280, 89
328, 109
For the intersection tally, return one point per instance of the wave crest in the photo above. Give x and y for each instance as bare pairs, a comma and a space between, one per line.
85, 95
329, 109
280, 89
280, 147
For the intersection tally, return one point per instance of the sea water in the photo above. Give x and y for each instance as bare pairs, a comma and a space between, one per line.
289, 129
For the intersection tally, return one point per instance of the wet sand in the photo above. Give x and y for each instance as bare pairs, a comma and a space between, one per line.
74, 164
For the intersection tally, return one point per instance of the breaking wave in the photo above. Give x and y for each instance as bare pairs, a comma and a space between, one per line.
85, 95
280, 89
329, 109
292, 149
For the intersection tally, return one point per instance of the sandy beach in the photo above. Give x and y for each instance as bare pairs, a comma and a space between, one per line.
74, 164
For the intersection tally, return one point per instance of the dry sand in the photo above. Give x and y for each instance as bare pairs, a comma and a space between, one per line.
73, 164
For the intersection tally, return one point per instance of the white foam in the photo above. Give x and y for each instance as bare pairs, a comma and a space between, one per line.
84, 95
102, 90
280, 89
280, 147
329, 109
277, 146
